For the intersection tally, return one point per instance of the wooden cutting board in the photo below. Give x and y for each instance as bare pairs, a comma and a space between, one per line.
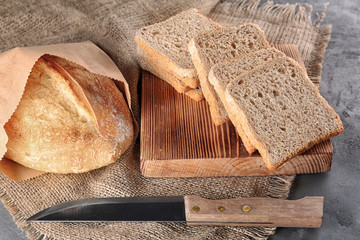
178, 138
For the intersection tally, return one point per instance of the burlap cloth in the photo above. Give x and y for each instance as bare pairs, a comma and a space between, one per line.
111, 25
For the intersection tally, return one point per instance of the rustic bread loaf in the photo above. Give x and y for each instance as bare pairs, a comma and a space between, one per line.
221, 74
281, 110
214, 46
167, 41
69, 120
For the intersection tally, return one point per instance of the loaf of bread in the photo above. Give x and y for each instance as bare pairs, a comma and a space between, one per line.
223, 73
281, 110
210, 47
69, 120
167, 42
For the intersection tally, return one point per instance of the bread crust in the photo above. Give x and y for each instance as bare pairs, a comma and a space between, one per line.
250, 148
217, 110
195, 94
161, 72
186, 76
183, 72
69, 120
157, 69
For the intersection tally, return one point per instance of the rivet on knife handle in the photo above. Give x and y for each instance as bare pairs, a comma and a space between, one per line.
246, 208
306, 212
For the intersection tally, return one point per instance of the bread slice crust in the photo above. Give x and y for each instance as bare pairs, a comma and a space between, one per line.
151, 64
187, 77
195, 94
217, 110
157, 69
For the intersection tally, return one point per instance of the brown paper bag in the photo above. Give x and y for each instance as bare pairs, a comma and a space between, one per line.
15, 68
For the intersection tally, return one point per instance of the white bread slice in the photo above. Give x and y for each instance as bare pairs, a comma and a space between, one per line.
168, 41
281, 110
223, 73
214, 46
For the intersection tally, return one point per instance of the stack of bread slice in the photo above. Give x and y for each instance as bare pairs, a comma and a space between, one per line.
163, 50
280, 110
268, 97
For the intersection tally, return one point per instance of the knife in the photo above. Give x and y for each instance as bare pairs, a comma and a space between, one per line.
306, 212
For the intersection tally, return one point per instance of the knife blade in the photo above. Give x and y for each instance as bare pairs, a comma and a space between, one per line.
194, 210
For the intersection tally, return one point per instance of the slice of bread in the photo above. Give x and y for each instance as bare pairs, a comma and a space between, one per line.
223, 73
167, 41
214, 46
281, 110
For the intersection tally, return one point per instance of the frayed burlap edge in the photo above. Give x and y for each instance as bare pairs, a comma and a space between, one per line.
287, 14
314, 69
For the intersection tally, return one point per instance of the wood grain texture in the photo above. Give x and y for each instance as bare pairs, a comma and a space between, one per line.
306, 212
178, 139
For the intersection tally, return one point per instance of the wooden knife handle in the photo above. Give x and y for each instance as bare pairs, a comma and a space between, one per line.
306, 212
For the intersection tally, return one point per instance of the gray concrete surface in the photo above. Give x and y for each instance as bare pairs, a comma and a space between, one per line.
341, 87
